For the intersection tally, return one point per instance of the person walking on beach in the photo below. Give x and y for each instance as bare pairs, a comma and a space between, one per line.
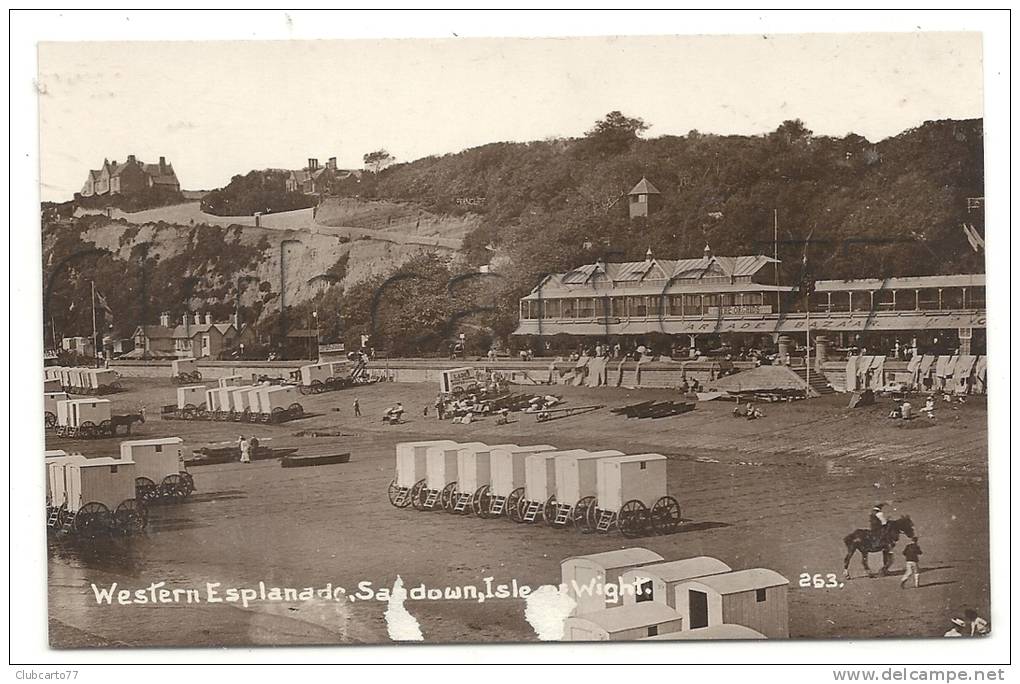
912, 554
245, 445
357, 408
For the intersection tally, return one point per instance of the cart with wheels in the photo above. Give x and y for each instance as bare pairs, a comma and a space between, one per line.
52, 385
278, 403
184, 371
577, 488
539, 499
101, 498
231, 381
56, 486
440, 477
316, 378
409, 480
191, 402
160, 474
239, 406
84, 418
50, 400
474, 471
100, 381
507, 478
632, 497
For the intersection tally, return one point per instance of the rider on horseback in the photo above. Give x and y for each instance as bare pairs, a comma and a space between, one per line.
878, 522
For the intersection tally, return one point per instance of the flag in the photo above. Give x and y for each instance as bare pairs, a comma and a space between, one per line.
977, 243
104, 307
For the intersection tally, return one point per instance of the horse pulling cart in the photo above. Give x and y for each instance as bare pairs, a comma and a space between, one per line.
84, 418
98, 497
158, 461
185, 371
631, 496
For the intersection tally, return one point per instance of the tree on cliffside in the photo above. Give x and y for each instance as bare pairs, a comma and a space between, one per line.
613, 134
378, 160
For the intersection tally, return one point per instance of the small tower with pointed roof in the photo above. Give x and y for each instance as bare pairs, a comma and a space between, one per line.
644, 199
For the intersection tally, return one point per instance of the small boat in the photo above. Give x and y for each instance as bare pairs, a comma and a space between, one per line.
297, 461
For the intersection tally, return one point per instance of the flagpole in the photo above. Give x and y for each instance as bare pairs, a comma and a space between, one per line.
95, 347
775, 252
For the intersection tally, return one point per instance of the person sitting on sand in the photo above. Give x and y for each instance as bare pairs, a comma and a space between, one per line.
897, 411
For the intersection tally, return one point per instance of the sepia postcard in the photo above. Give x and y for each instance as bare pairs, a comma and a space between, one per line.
502, 340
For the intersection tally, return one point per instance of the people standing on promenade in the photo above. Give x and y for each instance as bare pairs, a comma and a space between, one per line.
357, 408
912, 554
245, 445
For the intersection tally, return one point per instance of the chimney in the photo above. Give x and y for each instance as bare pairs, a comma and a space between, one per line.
208, 318
131, 159
164, 319
198, 318
162, 163
331, 164
184, 320
235, 318
648, 255
313, 164
708, 252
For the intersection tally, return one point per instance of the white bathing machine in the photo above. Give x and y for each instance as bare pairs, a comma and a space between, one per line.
50, 457
159, 468
658, 581
409, 478
474, 478
101, 496
623, 623
540, 484
714, 633
632, 496
50, 400
185, 370
577, 487
316, 375
231, 381
83, 417
507, 478
52, 385
755, 598
441, 474
280, 402
191, 397
586, 578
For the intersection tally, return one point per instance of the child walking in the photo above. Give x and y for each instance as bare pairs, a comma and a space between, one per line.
912, 554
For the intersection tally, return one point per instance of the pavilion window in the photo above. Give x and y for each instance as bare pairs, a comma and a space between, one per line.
976, 298
586, 307
906, 300
692, 305
884, 300
952, 298
567, 308
927, 299
550, 308
727, 300
638, 306
603, 307
676, 305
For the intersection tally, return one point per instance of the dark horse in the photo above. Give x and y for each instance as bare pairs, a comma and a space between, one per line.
865, 542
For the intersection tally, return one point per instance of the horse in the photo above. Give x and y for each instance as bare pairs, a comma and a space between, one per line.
864, 542
126, 419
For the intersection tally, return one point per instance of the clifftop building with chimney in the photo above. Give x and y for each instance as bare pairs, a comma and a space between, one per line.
122, 178
317, 180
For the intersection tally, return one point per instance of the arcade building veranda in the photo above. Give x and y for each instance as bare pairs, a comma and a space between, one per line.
733, 303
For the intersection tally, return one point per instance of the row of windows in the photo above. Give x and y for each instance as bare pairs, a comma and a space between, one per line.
922, 299
648, 305
745, 303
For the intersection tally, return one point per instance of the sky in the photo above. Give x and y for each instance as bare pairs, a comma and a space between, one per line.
216, 109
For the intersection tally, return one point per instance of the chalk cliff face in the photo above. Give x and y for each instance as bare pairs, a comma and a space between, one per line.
166, 245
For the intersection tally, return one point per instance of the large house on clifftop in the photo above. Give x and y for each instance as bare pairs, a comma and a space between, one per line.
131, 176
